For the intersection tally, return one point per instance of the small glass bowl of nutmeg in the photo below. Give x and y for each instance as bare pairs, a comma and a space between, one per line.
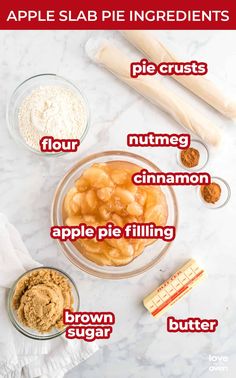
193, 158
214, 195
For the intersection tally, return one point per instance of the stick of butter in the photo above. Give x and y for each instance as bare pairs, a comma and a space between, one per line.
161, 299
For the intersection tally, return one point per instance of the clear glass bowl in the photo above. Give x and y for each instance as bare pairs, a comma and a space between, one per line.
224, 197
203, 159
26, 331
22, 91
150, 256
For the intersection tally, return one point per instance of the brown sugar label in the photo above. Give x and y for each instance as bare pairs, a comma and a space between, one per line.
88, 326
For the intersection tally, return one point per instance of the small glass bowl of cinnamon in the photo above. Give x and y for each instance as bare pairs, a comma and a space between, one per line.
216, 194
193, 158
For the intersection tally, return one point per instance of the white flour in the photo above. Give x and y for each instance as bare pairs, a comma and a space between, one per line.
52, 111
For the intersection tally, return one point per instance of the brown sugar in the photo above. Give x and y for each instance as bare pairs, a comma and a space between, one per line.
40, 298
190, 157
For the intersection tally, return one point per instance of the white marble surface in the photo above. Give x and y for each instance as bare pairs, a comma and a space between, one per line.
140, 346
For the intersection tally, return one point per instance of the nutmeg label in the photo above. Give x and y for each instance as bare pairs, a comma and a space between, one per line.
181, 141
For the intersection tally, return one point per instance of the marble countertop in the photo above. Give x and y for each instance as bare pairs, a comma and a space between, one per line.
140, 345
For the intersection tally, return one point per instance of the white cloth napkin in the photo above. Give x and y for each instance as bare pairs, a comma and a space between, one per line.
19, 355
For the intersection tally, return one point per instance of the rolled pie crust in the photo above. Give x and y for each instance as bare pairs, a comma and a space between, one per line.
115, 61
199, 85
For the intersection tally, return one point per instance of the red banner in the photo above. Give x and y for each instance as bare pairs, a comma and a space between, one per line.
121, 14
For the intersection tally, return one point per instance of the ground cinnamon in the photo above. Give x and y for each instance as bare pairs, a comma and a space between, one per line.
190, 157
211, 192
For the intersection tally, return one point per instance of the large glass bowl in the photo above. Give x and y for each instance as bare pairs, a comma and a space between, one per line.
150, 256
23, 90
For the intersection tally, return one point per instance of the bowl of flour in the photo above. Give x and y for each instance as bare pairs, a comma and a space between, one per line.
47, 105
